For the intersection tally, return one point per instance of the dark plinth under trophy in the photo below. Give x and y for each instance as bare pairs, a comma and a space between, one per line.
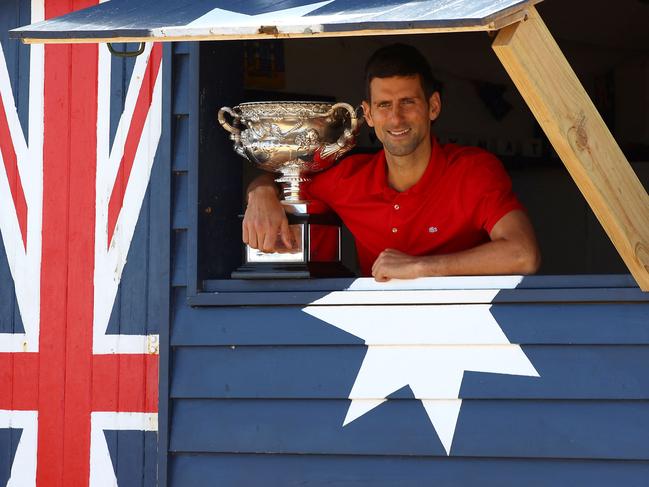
295, 139
316, 249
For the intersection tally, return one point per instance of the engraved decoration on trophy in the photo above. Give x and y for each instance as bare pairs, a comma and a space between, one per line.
293, 139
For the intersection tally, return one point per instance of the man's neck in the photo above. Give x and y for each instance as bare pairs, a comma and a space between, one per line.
405, 171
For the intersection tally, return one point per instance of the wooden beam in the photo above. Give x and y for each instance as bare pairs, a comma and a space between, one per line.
579, 135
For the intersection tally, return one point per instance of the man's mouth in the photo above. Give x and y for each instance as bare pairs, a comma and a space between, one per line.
398, 133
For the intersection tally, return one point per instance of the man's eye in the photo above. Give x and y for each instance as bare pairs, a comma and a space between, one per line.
384, 105
409, 101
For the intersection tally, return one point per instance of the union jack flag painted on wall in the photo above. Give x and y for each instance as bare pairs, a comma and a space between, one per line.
70, 200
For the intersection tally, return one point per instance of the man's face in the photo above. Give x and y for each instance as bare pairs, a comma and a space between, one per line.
400, 113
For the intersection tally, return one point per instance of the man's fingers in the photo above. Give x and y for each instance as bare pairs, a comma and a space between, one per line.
377, 270
255, 236
381, 278
252, 240
268, 241
285, 233
245, 233
379, 262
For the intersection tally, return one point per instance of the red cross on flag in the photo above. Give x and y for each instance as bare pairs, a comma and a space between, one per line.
69, 204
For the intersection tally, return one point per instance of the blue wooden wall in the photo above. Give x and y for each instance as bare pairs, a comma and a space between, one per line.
259, 395
256, 391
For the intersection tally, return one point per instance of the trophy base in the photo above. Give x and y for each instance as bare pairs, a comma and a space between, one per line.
292, 271
315, 252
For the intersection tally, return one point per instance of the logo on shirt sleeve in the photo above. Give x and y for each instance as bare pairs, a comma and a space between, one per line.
432, 229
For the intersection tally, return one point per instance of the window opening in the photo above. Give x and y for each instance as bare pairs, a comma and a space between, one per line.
481, 107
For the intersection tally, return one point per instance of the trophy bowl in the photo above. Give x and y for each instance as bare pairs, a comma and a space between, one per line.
292, 138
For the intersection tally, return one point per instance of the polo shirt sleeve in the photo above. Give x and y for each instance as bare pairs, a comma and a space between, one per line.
322, 185
488, 191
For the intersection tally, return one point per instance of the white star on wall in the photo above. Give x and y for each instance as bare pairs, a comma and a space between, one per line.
426, 347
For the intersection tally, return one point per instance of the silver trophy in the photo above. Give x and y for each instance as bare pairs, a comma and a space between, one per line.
294, 139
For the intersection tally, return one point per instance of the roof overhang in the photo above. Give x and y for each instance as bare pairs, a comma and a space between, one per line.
187, 20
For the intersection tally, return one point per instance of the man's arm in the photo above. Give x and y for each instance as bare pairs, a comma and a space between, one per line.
265, 217
512, 250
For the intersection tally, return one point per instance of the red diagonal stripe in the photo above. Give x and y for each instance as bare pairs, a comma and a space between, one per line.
125, 383
142, 105
11, 166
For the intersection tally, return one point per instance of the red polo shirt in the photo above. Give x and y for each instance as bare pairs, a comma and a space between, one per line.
460, 197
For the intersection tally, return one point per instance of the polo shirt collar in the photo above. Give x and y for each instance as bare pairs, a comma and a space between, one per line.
433, 172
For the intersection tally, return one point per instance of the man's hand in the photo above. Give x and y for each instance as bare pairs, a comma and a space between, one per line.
393, 264
512, 250
265, 218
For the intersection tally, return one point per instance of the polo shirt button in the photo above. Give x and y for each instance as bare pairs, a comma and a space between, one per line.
394, 230
396, 207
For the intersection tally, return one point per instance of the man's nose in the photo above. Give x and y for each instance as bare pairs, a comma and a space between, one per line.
396, 114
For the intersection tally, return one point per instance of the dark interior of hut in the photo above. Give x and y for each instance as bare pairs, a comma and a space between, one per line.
609, 51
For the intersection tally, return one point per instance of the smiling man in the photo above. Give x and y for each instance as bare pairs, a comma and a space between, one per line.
417, 208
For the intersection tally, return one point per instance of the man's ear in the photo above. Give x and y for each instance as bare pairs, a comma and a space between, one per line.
367, 113
434, 106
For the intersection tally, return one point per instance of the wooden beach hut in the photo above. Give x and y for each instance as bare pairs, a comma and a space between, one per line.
128, 356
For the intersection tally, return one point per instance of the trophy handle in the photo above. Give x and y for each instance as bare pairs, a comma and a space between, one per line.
353, 123
221, 116
344, 142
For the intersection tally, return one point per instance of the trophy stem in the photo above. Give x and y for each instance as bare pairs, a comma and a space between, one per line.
290, 180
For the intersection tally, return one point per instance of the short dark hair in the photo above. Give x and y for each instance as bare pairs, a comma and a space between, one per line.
400, 60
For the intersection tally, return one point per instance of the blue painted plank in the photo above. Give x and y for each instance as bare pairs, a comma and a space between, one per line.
181, 47
9, 439
626, 295
585, 324
593, 323
121, 70
14, 14
343, 471
144, 18
179, 261
129, 314
191, 73
180, 201
181, 136
251, 326
528, 282
566, 372
133, 456
10, 319
503, 428
158, 241
181, 100
161, 255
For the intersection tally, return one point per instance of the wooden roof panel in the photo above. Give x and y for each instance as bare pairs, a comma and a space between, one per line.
227, 19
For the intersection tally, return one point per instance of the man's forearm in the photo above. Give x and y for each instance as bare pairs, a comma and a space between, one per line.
492, 258
263, 182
